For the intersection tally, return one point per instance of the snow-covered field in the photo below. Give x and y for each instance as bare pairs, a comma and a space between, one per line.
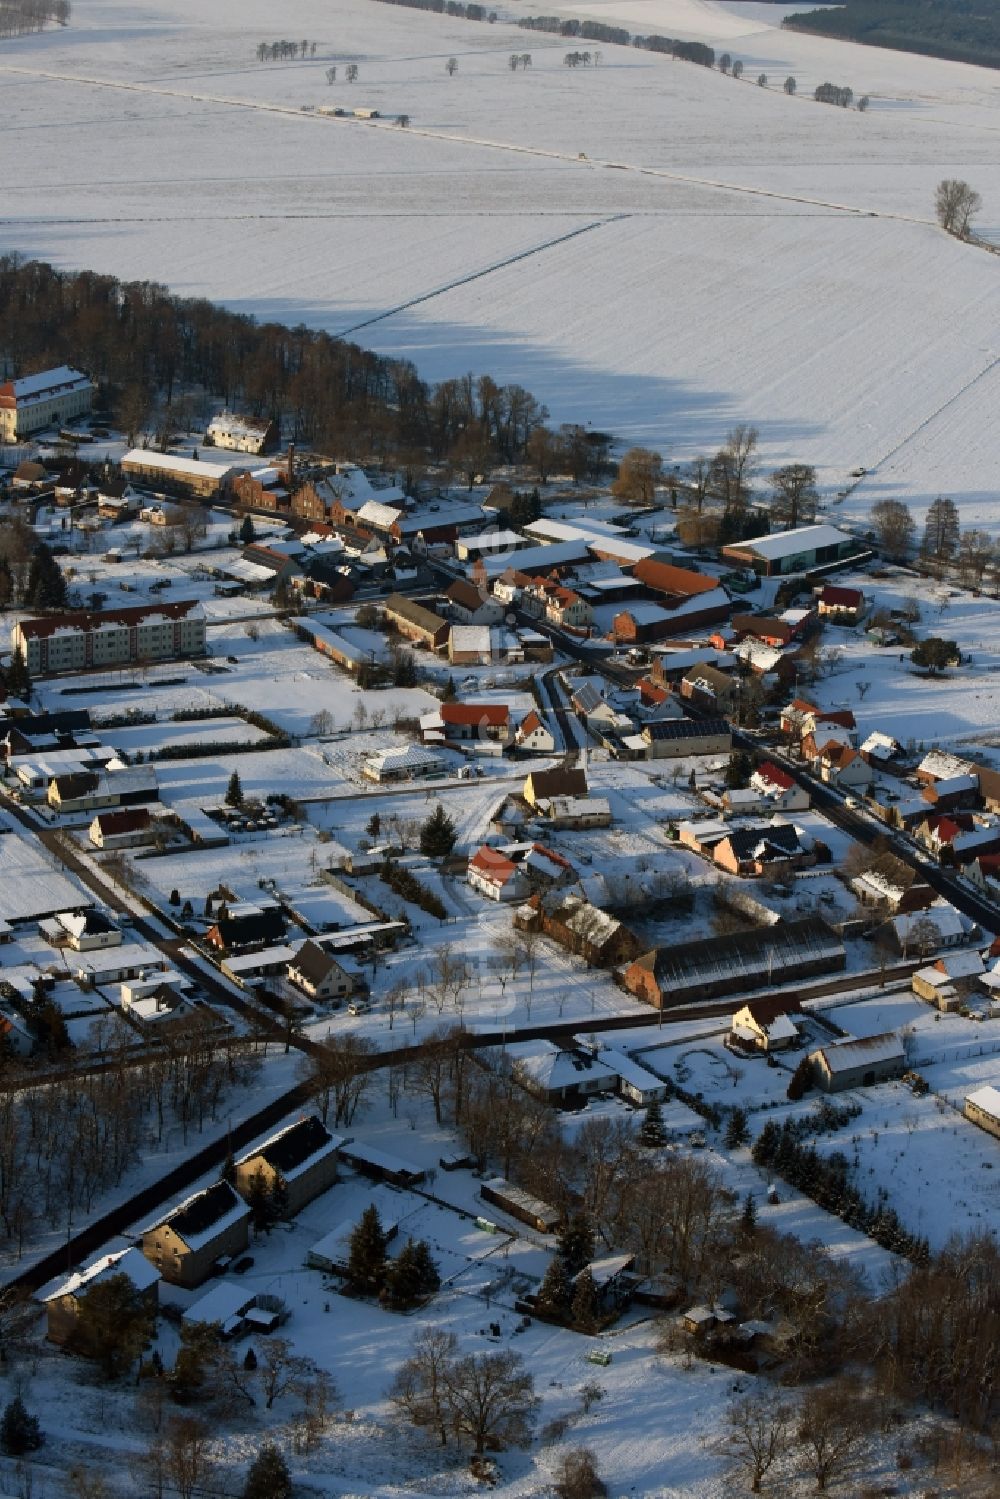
647, 245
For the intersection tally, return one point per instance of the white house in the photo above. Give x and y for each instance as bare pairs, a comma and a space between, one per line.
534, 735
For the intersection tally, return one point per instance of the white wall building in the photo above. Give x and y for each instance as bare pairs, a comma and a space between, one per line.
47, 399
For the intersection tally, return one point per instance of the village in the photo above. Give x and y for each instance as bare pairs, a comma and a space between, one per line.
406, 879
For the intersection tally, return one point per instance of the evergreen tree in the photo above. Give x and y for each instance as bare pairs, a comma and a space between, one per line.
260, 1201
576, 1243
585, 1310
427, 1270
46, 586
366, 1259
374, 825
449, 694
748, 1218
18, 676
209, 903
801, 1080
402, 1280
174, 898
738, 770
268, 1477
555, 1293
652, 1133
19, 1430
437, 834
234, 791
247, 532
250, 1362
278, 1199
737, 1132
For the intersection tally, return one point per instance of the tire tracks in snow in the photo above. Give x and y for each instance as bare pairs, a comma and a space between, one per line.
926, 422
488, 270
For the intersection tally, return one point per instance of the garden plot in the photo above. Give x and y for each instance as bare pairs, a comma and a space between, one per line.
929, 1163
149, 739
707, 1068
291, 859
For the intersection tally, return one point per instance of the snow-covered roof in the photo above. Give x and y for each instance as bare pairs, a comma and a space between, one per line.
225, 1300
941, 914
230, 425
842, 1056
250, 962
403, 757
131, 1262
375, 513
790, 543
881, 746
30, 388
629, 1071
475, 638
548, 1066
943, 766
194, 468
986, 1098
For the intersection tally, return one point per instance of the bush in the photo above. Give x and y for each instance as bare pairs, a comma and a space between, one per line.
19, 1430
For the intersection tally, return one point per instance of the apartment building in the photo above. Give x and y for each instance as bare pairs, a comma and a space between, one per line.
91, 639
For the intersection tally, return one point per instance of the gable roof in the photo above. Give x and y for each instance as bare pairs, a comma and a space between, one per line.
295, 1146
91, 619
780, 840
492, 865
494, 715
130, 1262
560, 780
201, 1217
843, 1056
666, 577
842, 598
313, 962
770, 774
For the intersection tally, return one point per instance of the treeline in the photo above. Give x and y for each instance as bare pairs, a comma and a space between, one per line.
144, 347
18, 17
963, 30
468, 12
598, 31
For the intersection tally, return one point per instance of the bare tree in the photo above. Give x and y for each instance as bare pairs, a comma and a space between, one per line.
795, 495
758, 1432
790, 85
419, 1391
491, 1399
340, 1075
576, 1475
639, 473
894, 528
451, 66
956, 204
280, 1369
351, 72
834, 1421
186, 1462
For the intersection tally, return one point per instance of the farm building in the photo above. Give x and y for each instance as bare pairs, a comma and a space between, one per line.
521, 1205
674, 738
381, 1165
406, 762
858, 1063
796, 551
416, 622
745, 960
982, 1107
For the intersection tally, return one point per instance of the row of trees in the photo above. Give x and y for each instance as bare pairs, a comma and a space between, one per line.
19, 17
280, 51
943, 546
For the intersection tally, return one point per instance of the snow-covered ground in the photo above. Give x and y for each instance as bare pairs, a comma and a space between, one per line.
649, 246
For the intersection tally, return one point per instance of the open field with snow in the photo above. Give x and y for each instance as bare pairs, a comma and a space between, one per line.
647, 245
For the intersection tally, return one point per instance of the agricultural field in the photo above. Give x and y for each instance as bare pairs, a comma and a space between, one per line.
649, 246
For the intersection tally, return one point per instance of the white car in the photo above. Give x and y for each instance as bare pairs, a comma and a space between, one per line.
358, 1007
